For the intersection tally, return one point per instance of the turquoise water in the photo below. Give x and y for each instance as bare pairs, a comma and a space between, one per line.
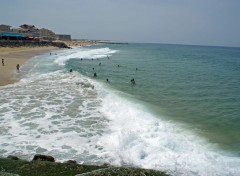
198, 86
181, 116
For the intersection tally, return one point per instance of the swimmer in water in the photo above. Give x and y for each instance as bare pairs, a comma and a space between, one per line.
133, 81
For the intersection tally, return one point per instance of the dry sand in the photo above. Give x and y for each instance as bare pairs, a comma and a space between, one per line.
14, 56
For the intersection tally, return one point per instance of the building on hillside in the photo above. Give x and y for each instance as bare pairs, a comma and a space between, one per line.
30, 30
47, 34
65, 37
5, 28
15, 30
12, 36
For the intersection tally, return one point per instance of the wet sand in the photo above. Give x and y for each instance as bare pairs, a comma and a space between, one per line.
14, 56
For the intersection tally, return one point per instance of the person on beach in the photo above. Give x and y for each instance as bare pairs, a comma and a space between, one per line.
95, 74
18, 67
2, 62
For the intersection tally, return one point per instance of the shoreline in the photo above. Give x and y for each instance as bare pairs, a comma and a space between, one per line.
20, 55
14, 56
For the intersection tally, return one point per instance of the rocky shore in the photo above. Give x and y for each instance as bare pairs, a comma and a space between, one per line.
43, 165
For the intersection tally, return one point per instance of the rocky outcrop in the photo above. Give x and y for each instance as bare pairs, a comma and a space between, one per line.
13, 157
123, 172
71, 162
42, 166
43, 158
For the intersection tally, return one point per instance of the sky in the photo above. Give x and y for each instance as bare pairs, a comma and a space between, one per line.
193, 22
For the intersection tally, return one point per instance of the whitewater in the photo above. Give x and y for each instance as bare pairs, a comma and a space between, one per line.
71, 115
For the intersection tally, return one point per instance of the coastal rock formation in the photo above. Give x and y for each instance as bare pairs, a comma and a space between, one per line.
123, 172
71, 162
13, 157
10, 167
43, 158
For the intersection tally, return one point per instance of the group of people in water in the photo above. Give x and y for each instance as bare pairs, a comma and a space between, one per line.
107, 80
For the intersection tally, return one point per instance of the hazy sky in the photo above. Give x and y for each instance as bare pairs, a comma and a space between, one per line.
201, 22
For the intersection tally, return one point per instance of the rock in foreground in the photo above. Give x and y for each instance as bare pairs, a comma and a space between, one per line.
47, 168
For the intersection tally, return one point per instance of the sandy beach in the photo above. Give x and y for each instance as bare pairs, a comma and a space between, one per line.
14, 56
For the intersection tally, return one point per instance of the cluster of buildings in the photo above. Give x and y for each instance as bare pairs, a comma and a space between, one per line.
30, 32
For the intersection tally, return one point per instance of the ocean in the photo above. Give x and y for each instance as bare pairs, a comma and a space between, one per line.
181, 116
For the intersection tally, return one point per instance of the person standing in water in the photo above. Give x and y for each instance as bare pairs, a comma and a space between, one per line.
133, 81
18, 67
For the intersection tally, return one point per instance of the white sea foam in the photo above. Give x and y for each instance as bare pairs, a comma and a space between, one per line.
84, 53
69, 116
140, 139
54, 113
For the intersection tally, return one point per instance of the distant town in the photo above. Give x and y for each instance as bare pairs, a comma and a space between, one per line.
30, 32
30, 35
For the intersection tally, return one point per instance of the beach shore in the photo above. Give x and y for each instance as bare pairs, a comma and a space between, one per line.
14, 56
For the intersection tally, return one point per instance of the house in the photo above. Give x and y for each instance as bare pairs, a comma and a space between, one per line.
30, 30
13, 36
47, 34
65, 37
5, 28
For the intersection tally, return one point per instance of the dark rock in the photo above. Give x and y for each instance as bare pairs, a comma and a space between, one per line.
13, 157
45, 168
43, 158
71, 162
106, 165
112, 171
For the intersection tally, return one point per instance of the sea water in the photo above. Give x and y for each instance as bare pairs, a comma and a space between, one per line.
181, 116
